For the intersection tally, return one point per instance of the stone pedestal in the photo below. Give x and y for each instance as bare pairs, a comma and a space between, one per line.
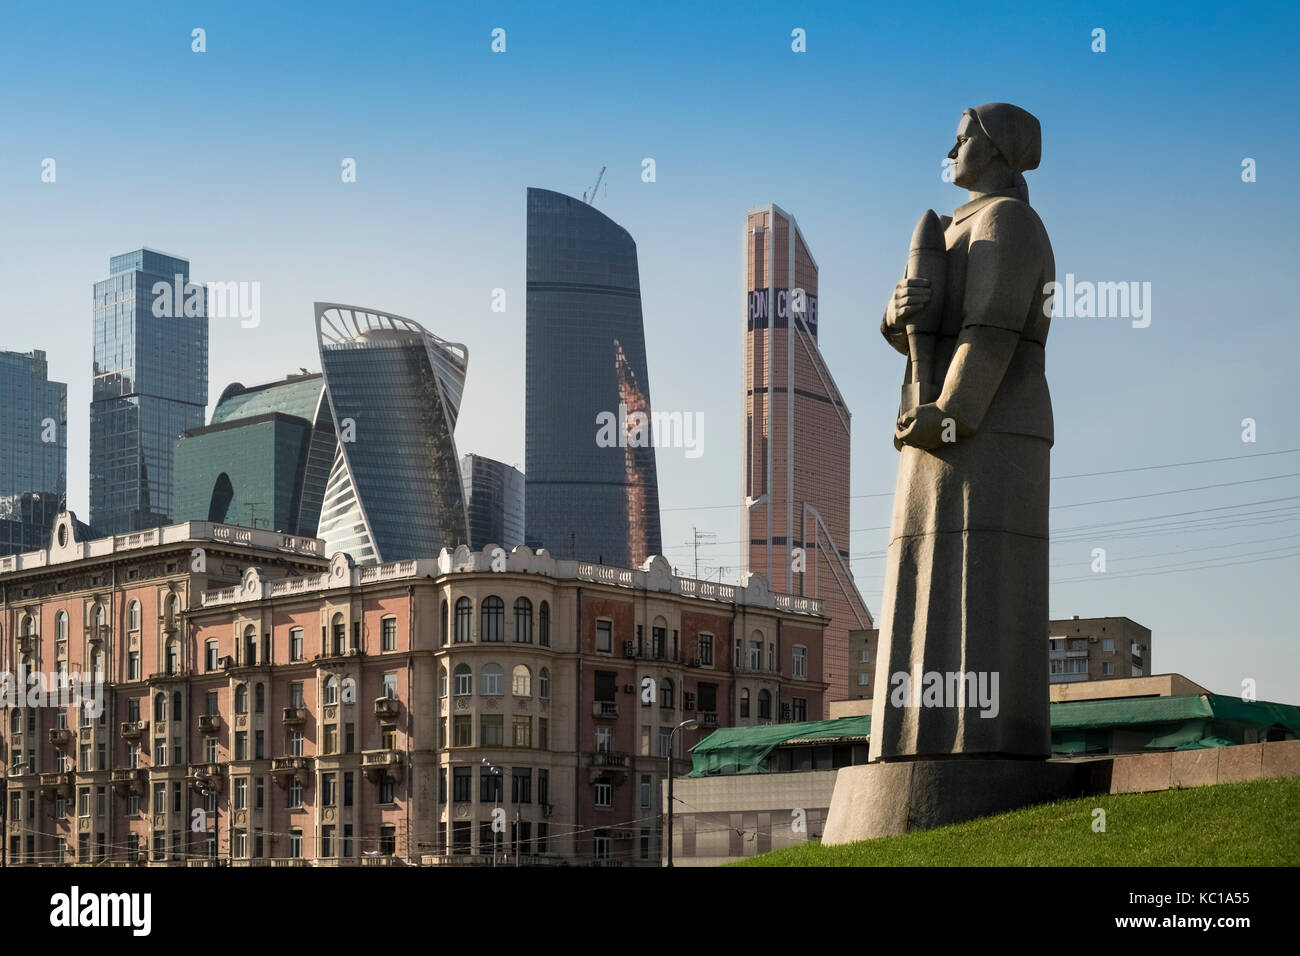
892, 797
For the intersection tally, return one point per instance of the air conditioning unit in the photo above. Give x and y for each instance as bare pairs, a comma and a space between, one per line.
227, 662
688, 701
629, 649
695, 662
629, 688
1092, 640
785, 711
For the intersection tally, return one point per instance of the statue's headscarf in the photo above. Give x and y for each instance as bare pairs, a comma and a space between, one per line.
1016, 134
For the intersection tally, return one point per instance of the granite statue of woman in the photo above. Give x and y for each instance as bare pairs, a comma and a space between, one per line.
965, 597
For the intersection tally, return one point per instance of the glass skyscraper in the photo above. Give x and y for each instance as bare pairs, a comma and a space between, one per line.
262, 461
33, 451
586, 499
494, 495
394, 492
150, 384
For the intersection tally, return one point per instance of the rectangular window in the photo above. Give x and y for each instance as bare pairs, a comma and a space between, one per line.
604, 793
521, 785
295, 743
1108, 644
463, 728
347, 788
259, 795
492, 730
328, 785
462, 779
295, 694
706, 650
159, 753
442, 785
295, 843
239, 845
665, 733
347, 840
388, 737
801, 662
83, 801
241, 793
522, 726
327, 841
604, 738
241, 744
755, 655
645, 740
295, 794
389, 687
1108, 668
133, 665
176, 797
388, 840
490, 786
349, 737
259, 745
799, 709
543, 733
645, 790
604, 636
388, 630
295, 647
209, 749
331, 739
543, 786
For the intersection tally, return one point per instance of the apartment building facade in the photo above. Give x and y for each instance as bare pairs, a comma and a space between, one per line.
1097, 648
466, 709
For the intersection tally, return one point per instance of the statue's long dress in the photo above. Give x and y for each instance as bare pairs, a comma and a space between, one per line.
966, 579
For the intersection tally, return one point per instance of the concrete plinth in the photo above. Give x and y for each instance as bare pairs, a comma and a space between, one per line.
892, 797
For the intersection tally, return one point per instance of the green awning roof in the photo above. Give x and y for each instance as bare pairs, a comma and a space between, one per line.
1081, 726
735, 750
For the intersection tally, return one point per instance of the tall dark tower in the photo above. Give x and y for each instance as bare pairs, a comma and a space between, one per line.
596, 501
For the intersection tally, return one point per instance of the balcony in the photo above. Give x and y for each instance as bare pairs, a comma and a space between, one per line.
611, 759
207, 775
55, 785
386, 708
97, 635
378, 763
60, 736
128, 781
289, 861
381, 861
134, 729
604, 708
285, 769
295, 715
209, 723
708, 718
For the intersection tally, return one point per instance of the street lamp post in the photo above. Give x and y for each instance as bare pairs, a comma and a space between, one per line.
690, 724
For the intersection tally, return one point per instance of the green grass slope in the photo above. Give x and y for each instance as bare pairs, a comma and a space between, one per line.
1236, 824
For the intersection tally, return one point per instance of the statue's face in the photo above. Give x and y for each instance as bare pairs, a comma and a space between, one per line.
972, 154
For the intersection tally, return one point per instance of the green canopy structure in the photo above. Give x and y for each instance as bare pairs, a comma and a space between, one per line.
737, 750
1123, 725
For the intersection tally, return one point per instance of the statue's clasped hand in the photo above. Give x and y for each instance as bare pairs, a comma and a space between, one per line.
926, 426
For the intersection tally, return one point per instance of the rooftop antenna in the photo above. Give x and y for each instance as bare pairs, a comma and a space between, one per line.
592, 194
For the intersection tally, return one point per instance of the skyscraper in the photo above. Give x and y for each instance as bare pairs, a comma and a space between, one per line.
494, 494
262, 461
795, 470
394, 389
589, 499
150, 384
33, 451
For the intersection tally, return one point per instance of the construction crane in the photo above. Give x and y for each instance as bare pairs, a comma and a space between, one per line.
592, 200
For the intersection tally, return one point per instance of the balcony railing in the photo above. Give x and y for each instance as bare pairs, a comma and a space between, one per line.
611, 759
386, 708
295, 715
604, 708
60, 736
708, 718
134, 729
289, 861
209, 723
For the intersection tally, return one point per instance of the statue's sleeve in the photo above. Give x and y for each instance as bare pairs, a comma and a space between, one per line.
1002, 267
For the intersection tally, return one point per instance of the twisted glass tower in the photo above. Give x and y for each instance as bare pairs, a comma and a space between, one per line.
587, 499
394, 492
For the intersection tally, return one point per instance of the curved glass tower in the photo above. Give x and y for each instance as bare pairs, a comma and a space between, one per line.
586, 499
394, 492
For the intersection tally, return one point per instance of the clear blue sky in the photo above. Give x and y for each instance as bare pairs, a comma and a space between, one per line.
232, 158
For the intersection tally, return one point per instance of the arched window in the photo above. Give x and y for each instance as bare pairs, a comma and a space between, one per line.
210, 655
464, 680
28, 626
444, 625
493, 619
544, 625
332, 690
172, 606
15, 721
96, 663
493, 678
442, 679
666, 694
159, 708
464, 615
61, 626
241, 699
764, 705
544, 684
178, 706
523, 621
97, 619
259, 699
522, 681
173, 657
133, 616
744, 702
250, 645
